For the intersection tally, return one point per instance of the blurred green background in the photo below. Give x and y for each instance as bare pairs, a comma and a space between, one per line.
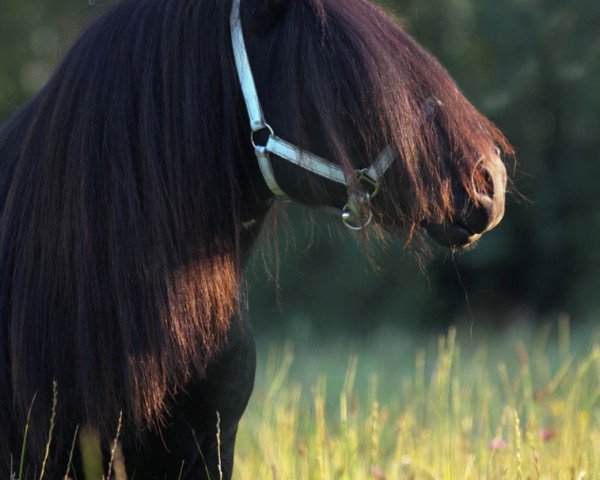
533, 66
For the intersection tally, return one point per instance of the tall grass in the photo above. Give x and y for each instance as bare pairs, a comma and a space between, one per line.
522, 406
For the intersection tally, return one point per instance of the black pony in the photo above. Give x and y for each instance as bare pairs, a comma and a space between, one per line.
130, 197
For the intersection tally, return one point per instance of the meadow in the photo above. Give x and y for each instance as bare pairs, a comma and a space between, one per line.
523, 404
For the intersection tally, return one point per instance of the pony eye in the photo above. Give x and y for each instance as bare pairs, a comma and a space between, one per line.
430, 106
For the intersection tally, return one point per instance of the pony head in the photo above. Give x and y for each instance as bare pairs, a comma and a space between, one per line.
343, 80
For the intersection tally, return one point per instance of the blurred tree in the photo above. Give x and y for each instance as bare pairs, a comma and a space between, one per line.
533, 66
34, 34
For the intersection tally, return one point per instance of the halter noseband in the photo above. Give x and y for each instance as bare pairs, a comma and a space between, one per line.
356, 215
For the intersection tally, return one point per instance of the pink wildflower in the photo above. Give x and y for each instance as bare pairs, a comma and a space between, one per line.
547, 434
498, 444
377, 472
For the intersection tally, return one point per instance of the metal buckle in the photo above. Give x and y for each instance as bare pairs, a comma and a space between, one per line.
359, 203
364, 178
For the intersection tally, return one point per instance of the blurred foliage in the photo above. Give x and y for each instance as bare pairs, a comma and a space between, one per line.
533, 66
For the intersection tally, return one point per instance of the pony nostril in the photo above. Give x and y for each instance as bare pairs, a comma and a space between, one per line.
489, 184
483, 182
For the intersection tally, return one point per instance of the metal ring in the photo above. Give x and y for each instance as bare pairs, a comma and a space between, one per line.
347, 214
266, 126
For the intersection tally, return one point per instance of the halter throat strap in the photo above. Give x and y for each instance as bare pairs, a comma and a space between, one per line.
356, 214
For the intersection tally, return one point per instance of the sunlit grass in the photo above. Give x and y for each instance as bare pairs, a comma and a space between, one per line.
466, 405
521, 406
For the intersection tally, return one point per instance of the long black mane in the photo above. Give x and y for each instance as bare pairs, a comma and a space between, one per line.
125, 182
120, 203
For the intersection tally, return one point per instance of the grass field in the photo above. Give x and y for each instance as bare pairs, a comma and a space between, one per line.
521, 405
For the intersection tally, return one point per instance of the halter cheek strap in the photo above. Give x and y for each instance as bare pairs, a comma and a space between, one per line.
356, 215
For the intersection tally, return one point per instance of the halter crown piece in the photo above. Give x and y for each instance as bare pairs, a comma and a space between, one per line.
356, 215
